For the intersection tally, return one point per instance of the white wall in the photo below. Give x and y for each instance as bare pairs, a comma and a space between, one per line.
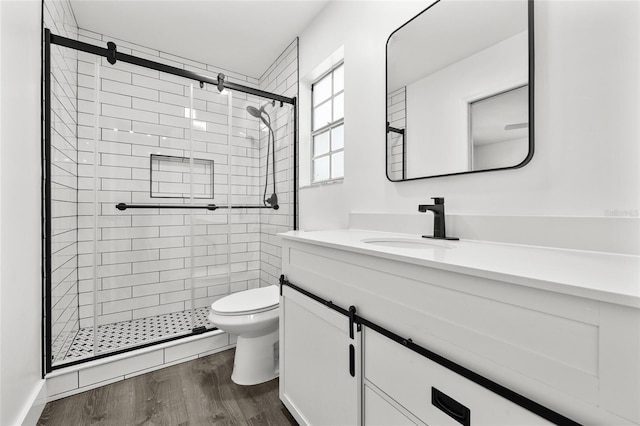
20, 281
587, 104
1, 217
362, 28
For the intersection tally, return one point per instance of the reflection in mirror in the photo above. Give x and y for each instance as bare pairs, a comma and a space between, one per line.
458, 90
499, 130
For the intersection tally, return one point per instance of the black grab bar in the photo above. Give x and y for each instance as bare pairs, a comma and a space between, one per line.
124, 206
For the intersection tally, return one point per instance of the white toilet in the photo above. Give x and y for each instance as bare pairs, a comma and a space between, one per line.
252, 315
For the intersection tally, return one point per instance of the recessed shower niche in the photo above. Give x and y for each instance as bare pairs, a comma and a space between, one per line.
171, 177
155, 192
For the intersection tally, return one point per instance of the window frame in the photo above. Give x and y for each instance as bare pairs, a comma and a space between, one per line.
326, 128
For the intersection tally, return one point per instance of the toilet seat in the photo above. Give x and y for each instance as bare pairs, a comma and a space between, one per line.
248, 302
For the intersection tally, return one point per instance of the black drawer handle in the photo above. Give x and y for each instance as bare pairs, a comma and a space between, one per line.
451, 407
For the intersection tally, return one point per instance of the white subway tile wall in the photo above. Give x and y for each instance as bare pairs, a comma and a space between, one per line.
282, 78
396, 115
143, 267
58, 17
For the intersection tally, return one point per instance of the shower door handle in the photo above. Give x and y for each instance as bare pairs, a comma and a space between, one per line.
125, 206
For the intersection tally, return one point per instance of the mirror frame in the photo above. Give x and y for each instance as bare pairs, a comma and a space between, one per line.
531, 83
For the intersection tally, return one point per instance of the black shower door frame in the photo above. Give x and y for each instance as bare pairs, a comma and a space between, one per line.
112, 55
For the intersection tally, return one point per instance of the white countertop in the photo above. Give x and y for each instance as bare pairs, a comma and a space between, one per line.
607, 277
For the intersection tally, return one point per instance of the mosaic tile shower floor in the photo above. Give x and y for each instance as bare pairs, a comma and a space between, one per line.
130, 333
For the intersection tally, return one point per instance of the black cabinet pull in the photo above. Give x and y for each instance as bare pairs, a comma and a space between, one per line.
451, 407
352, 361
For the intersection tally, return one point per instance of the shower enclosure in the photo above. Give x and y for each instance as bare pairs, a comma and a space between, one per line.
158, 197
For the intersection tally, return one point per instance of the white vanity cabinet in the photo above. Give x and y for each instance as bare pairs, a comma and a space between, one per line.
559, 328
319, 362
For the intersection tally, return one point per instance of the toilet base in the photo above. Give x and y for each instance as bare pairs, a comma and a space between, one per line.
257, 359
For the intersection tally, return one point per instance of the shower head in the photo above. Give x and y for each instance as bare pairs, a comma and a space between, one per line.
257, 113
260, 113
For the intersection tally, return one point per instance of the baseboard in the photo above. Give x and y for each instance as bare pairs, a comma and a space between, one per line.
35, 405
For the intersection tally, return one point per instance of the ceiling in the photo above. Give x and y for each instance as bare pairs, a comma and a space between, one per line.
244, 36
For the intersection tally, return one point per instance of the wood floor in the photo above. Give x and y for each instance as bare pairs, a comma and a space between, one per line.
198, 392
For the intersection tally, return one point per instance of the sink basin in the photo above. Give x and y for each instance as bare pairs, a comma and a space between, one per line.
409, 243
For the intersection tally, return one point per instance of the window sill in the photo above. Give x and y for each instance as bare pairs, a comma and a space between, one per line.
323, 183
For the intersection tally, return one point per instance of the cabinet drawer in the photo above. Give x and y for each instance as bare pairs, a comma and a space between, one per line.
409, 379
379, 412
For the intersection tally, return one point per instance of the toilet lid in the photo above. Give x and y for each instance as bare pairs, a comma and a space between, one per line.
248, 302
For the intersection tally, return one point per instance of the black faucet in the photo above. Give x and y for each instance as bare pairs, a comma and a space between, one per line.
439, 231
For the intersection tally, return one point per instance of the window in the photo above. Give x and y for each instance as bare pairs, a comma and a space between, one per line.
327, 126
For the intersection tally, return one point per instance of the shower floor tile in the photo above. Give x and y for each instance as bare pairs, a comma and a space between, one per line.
131, 333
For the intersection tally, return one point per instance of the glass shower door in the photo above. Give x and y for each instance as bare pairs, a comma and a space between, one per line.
208, 132
63, 238
150, 269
